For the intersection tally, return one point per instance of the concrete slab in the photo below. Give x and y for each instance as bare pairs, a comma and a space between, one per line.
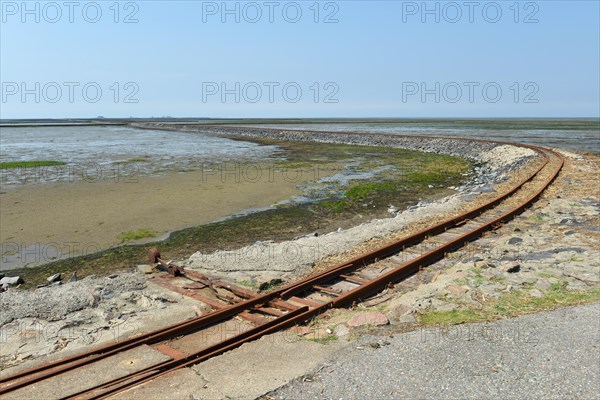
102, 371
244, 373
180, 384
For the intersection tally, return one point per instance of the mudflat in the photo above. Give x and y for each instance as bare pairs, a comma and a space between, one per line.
82, 217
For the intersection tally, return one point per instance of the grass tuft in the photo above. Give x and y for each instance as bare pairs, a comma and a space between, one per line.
513, 304
453, 317
249, 284
324, 340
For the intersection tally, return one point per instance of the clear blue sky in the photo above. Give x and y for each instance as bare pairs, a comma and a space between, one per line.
380, 59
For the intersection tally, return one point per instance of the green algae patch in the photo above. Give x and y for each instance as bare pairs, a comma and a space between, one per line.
30, 164
139, 234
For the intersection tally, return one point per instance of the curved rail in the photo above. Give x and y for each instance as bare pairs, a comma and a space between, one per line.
294, 314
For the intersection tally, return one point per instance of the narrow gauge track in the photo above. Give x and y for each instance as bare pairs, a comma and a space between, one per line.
338, 286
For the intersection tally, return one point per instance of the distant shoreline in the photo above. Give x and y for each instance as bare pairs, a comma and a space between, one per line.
33, 122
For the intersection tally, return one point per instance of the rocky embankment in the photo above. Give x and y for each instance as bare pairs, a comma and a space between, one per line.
287, 260
551, 246
505, 157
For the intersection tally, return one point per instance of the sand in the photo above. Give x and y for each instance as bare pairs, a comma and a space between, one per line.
75, 218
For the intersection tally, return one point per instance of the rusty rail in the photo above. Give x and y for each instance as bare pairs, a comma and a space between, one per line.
294, 314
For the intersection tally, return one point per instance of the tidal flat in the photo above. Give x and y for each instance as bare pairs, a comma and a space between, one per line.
309, 188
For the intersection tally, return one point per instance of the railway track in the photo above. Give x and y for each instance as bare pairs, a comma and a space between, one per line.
341, 285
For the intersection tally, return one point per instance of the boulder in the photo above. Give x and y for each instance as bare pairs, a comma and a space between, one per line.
145, 268
11, 280
456, 290
536, 293
267, 285
543, 283
341, 330
514, 240
401, 314
303, 330
402, 309
510, 267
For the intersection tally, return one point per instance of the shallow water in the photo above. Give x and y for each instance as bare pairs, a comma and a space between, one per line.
91, 151
549, 136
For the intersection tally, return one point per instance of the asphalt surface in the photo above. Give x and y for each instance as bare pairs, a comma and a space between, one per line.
550, 355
